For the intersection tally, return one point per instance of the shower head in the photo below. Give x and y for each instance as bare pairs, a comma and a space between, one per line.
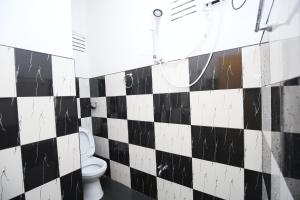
157, 12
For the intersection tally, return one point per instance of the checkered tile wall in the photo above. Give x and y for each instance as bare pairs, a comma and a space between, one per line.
214, 140
39, 143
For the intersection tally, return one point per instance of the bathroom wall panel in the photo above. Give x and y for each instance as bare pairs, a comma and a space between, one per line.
97, 87
143, 182
141, 81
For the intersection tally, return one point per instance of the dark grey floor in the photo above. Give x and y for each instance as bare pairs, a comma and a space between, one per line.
116, 191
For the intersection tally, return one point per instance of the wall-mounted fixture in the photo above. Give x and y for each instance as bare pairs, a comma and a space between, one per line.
258, 19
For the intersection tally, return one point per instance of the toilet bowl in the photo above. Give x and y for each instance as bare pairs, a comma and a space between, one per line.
92, 168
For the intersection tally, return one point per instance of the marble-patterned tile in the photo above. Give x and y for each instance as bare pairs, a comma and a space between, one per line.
20, 197
266, 109
172, 108
253, 185
33, 73
78, 108
251, 61
166, 75
68, 153
253, 150
63, 76
9, 123
173, 138
119, 152
116, 107
100, 127
175, 168
85, 107
203, 196
217, 108
71, 186
142, 159
77, 87
84, 88
36, 119
276, 107
101, 147
97, 87
7, 75
167, 190
140, 107
11, 173
143, 182
120, 173
40, 163
117, 130
100, 110
50, 190
252, 109
139, 81
115, 84
66, 115
222, 181
141, 133
222, 145
223, 72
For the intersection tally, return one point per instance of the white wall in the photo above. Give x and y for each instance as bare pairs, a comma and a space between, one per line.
37, 25
80, 25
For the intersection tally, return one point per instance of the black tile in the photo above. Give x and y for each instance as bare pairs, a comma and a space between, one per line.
141, 81
66, 115
77, 87
20, 197
174, 168
71, 186
143, 182
203, 196
292, 82
223, 72
172, 108
141, 133
85, 107
97, 87
116, 107
99, 126
252, 109
79, 122
222, 145
267, 184
276, 94
40, 163
119, 152
107, 172
253, 185
33, 73
9, 123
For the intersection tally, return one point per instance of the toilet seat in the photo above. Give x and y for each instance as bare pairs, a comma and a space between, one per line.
87, 144
93, 166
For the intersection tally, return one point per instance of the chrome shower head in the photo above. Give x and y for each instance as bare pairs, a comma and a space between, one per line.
157, 12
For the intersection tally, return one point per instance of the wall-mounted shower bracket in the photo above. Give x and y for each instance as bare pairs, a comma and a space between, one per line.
258, 19
211, 3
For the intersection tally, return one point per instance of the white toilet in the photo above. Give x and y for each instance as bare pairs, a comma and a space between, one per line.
92, 168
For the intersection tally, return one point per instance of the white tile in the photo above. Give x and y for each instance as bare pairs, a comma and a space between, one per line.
78, 108
7, 75
50, 190
167, 190
102, 147
253, 150
36, 119
84, 88
176, 72
115, 84
117, 130
173, 138
100, 110
251, 62
68, 153
218, 108
140, 107
223, 181
120, 173
284, 59
11, 173
63, 73
86, 122
143, 159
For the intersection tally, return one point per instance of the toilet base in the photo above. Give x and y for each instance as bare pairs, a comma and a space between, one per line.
92, 190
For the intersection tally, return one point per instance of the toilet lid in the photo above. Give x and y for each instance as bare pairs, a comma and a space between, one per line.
87, 144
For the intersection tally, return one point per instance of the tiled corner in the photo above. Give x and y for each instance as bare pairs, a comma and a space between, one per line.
120, 173
50, 190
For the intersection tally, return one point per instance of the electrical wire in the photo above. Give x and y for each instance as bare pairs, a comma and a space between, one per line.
239, 7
